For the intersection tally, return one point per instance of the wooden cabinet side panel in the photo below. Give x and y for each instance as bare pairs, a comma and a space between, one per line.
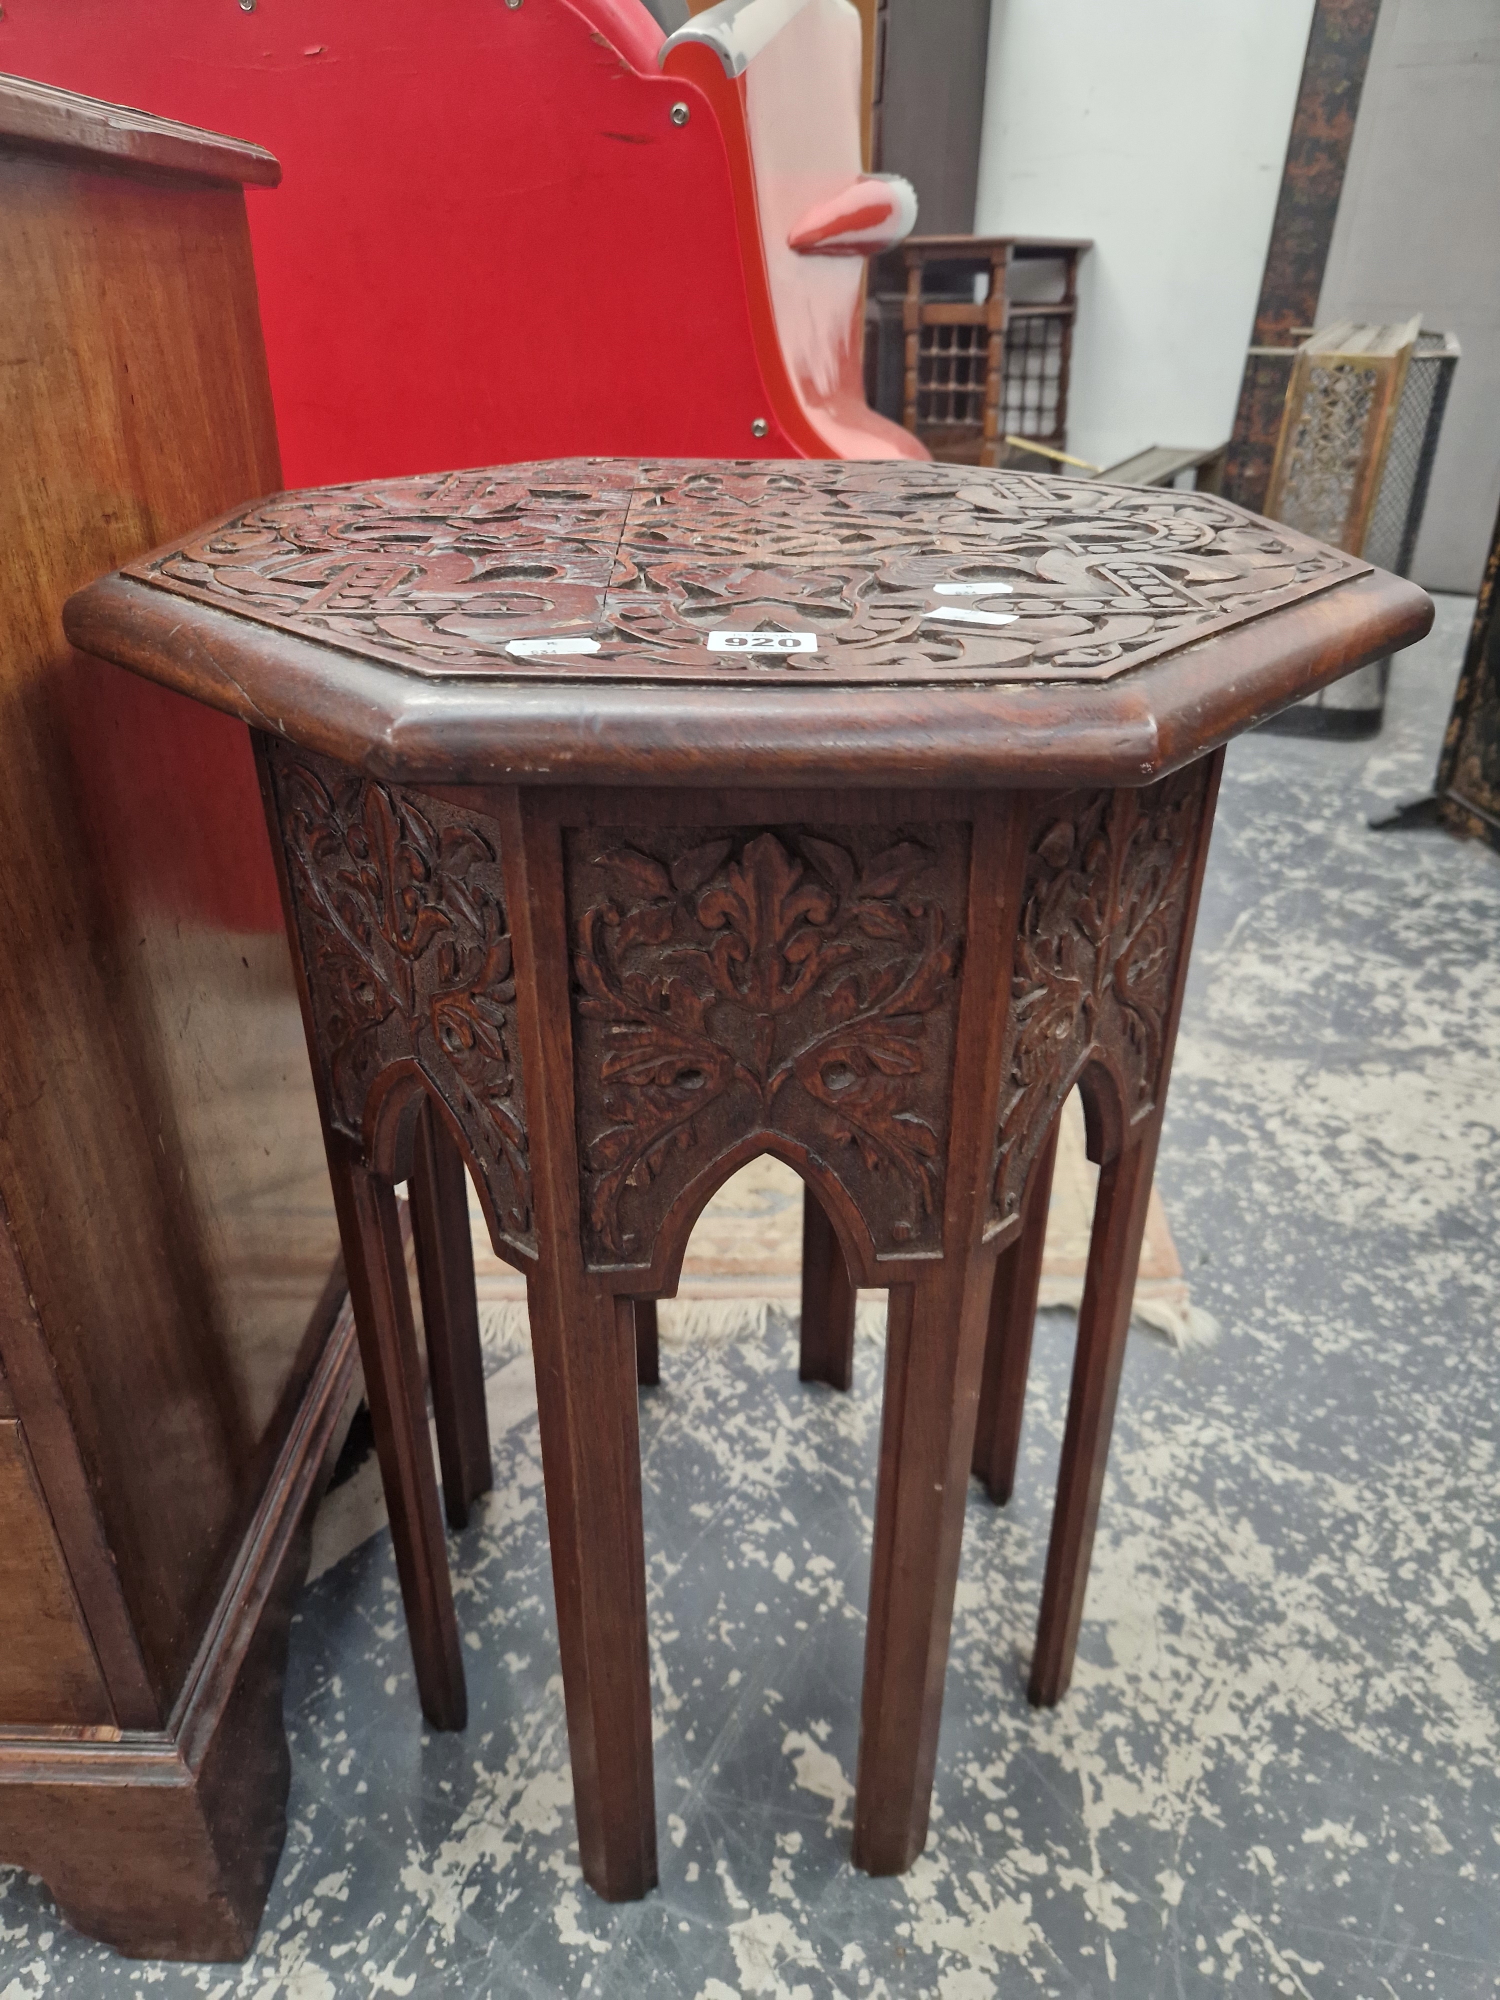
28, 1381
48, 1673
159, 1148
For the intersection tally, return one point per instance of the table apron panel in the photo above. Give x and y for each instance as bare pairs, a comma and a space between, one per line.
746, 972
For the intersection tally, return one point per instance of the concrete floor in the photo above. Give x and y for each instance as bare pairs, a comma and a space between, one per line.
1277, 1769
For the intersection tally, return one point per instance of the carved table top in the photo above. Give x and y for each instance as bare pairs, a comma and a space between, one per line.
615, 610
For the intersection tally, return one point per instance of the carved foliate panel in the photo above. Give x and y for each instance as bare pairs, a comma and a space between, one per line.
810, 573
401, 919
798, 982
1108, 880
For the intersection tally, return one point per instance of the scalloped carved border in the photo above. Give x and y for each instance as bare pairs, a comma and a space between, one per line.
401, 918
1107, 889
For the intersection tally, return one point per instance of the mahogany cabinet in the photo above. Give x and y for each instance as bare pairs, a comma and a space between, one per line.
173, 1350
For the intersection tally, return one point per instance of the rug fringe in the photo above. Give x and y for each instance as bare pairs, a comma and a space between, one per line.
1166, 1310
683, 1323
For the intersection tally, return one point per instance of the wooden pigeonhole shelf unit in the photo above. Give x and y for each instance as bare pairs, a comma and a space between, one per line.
981, 369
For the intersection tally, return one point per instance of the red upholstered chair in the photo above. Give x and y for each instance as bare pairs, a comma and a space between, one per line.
526, 231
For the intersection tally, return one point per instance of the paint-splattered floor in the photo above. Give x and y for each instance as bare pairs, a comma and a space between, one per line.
1279, 1767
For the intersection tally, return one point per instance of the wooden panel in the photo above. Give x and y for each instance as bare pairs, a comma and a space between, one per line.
162, 1844
871, 67
932, 103
159, 1155
35, 115
852, 1074
1468, 775
30, 1381
1336, 431
48, 1673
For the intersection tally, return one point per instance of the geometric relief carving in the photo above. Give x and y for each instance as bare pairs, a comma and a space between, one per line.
795, 982
589, 570
926, 572
1100, 934
401, 918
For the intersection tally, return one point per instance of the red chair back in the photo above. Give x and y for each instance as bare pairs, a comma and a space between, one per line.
493, 241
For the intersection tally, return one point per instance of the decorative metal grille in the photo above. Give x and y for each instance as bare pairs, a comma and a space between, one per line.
1397, 520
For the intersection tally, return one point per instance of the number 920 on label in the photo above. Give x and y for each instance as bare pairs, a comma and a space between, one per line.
762, 642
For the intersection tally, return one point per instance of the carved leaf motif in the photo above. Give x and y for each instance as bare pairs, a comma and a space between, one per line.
643, 873
770, 953
402, 921
691, 870
1096, 953
784, 981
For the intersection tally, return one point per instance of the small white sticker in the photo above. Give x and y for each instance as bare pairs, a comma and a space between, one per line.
550, 649
972, 589
763, 642
959, 613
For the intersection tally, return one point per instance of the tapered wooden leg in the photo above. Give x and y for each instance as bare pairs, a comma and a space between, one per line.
585, 1353
647, 1344
828, 1301
1007, 1353
371, 1232
450, 1315
1103, 1324
934, 1353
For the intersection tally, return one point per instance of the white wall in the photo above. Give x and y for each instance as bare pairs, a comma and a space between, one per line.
1419, 231
1159, 128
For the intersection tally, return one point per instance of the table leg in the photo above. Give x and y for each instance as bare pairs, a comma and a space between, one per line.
1103, 1324
934, 1353
450, 1316
828, 1301
584, 1346
371, 1233
1007, 1354
647, 1344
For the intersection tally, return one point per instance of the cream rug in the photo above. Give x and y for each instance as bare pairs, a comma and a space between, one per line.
743, 1264
747, 1251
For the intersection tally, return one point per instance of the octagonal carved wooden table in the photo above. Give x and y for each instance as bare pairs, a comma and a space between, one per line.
638, 818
